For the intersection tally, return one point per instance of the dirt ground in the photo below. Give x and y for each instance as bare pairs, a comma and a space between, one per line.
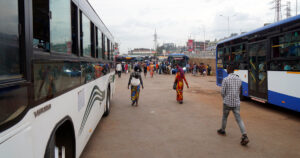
161, 128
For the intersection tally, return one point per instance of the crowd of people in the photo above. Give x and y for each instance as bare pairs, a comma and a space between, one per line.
230, 87
164, 68
201, 69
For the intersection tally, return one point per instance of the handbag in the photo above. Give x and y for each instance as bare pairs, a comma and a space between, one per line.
135, 81
175, 85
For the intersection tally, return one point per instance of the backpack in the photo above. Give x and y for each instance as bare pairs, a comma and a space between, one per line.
135, 81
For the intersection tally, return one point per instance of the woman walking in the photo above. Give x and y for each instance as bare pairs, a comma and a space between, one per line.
179, 84
126, 68
135, 81
151, 70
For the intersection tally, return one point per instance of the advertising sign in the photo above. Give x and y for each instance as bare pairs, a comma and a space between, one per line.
190, 45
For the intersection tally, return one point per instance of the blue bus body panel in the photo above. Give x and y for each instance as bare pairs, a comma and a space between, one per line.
221, 73
283, 100
263, 28
245, 89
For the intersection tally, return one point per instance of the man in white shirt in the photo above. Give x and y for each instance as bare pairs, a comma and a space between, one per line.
119, 69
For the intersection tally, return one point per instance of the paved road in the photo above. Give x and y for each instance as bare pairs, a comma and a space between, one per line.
161, 128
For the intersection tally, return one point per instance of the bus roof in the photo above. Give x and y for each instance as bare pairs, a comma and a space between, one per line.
177, 54
262, 28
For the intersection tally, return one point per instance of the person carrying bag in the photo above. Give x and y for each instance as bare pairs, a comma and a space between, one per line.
135, 81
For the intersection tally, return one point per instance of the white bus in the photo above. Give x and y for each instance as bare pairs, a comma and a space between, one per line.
56, 80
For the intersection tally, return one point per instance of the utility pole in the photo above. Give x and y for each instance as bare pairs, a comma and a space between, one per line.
288, 9
296, 7
155, 41
228, 26
204, 37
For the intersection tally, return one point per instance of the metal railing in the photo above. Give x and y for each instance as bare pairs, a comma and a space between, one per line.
203, 54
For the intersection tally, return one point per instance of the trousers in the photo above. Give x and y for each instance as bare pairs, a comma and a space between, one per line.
236, 112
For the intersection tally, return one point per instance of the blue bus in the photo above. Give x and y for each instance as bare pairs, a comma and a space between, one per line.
180, 59
268, 62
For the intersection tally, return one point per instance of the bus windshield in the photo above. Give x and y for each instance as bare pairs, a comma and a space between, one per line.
181, 60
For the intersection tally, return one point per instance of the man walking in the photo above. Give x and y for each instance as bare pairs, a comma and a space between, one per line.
119, 69
231, 102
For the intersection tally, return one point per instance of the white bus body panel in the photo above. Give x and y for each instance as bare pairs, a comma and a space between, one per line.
284, 83
284, 89
30, 136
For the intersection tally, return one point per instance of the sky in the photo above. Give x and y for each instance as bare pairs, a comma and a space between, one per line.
133, 22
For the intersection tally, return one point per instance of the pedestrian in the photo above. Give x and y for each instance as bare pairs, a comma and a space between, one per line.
151, 67
135, 81
195, 69
157, 66
231, 86
208, 69
145, 70
179, 84
126, 68
187, 67
129, 67
204, 69
200, 69
123, 68
160, 68
119, 69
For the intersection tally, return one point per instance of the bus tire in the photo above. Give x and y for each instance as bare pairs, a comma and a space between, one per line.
107, 104
61, 143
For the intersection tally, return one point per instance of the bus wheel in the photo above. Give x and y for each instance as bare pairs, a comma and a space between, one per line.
107, 105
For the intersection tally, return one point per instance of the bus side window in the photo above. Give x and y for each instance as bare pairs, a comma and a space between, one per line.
286, 46
52, 29
9, 41
99, 44
86, 36
41, 23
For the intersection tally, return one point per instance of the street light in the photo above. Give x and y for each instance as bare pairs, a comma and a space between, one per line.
227, 17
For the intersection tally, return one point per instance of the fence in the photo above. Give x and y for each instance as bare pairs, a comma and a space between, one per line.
203, 54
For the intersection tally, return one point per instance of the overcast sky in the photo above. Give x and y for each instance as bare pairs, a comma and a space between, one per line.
133, 22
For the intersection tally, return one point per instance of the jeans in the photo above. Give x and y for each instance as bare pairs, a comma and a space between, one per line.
236, 112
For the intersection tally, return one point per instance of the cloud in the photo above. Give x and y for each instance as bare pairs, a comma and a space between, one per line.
133, 22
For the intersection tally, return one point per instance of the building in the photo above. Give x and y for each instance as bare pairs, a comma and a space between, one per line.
197, 46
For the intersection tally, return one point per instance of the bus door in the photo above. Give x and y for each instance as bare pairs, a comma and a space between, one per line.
257, 70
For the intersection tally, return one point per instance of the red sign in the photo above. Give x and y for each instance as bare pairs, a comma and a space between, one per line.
190, 45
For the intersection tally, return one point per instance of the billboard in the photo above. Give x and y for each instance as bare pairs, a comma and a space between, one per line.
190, 45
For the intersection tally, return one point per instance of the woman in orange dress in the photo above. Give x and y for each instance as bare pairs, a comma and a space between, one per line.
179, 87
151, 70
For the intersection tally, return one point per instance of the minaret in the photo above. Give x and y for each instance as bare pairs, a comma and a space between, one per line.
155, 40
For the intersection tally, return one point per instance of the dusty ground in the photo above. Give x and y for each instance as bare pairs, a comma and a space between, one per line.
161, 128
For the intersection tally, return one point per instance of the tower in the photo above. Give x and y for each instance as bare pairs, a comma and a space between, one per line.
277, 8
155, 40
288, 9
